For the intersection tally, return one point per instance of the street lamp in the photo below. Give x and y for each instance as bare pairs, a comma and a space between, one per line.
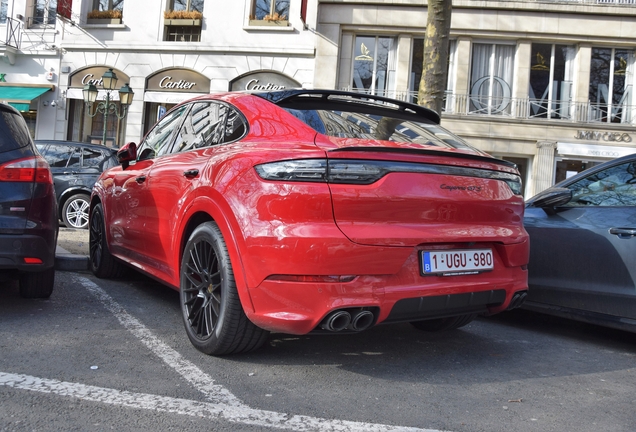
106, 107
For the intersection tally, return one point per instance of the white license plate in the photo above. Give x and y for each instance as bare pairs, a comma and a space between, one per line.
457, 262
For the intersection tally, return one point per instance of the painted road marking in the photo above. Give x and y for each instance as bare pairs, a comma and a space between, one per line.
222, 405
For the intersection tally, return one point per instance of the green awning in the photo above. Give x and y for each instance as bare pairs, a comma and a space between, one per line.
21, 97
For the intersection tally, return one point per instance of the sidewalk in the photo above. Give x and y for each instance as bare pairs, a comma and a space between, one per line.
71, 253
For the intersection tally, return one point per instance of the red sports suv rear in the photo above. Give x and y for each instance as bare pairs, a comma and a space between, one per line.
312, 211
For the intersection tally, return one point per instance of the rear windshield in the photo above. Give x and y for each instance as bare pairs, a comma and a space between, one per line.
13, 131
349, 124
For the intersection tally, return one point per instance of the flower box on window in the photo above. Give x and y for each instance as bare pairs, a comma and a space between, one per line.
182, 18
271, 20
104, 17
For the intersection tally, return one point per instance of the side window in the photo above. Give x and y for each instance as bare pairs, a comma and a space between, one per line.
58, 155
209, 124
91, 158
615, 186
159, 138
75, 159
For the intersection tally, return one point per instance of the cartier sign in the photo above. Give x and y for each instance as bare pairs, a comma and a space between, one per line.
263, 80
93, 75
178, 80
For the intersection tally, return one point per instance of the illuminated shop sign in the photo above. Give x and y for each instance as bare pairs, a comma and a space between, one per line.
593, 151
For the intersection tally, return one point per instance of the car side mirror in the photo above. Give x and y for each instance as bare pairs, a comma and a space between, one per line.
126, 154
551, 198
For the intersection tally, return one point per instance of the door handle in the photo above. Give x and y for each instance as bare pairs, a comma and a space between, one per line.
140, 179
191, 173
623, 233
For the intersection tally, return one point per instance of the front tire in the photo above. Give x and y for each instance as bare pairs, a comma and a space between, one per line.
75, 212
212, 313
442, 324
37, 284
101, 262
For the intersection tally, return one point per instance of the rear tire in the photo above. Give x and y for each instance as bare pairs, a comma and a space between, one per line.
212, 313
75, 211
37, 284
442, 324
101, 262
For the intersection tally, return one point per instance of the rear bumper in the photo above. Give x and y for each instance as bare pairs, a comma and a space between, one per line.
299, 307
14, 249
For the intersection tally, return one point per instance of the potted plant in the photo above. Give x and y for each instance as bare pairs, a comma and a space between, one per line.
182, 18
104, 17
274, 19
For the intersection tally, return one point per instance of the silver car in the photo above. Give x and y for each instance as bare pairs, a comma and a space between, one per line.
583, 246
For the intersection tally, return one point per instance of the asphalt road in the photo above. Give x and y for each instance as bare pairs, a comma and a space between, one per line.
113, 355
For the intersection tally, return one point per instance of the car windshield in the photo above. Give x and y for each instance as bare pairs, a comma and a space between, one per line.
350, 124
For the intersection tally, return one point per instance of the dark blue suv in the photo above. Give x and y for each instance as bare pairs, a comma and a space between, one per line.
28, 209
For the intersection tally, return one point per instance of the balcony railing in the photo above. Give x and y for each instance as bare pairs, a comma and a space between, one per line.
584, 2
526, 108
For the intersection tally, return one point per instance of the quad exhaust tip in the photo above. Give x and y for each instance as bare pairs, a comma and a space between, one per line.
517, 299
356, 320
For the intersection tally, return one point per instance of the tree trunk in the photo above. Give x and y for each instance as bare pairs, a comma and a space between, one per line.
435, 64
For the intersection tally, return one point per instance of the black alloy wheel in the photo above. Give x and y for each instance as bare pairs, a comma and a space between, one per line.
101, 262
212, 313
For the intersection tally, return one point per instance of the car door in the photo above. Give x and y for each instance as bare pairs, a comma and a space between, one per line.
174, 178
129, 198
583, 255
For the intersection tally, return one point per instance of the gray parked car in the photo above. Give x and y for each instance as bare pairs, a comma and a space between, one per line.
75, 167
583, 246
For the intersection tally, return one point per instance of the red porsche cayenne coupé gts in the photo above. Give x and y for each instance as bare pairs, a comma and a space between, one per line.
312, 211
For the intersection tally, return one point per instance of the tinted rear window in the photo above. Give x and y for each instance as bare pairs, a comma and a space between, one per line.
13, 131
361, 125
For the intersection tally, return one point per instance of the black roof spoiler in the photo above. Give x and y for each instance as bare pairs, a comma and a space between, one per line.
282, 96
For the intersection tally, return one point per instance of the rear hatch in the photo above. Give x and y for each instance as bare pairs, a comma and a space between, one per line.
407, 197
17, 171
399, 179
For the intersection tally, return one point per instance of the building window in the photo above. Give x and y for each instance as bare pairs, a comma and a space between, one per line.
550, 90
611, 84
374, 65
108, 5
270, 11
183, 21
491, 79
44, 13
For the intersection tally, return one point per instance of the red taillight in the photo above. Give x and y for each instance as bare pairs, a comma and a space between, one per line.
32, 169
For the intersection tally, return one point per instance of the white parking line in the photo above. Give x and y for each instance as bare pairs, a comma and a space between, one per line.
223, 404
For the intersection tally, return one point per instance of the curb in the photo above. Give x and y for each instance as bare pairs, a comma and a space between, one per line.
67, 261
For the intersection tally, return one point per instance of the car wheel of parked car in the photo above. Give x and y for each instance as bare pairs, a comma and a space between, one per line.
212, 313
37, 284
102, 263
442, 324
75, 211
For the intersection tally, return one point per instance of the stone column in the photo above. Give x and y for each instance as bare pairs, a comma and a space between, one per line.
543, 168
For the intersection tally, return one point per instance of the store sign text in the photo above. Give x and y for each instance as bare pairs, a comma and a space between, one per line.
254, 85
87, 80
166, 83
605, 136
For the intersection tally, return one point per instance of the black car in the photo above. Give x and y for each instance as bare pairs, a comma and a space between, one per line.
28, 209
75, 167
583, 246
